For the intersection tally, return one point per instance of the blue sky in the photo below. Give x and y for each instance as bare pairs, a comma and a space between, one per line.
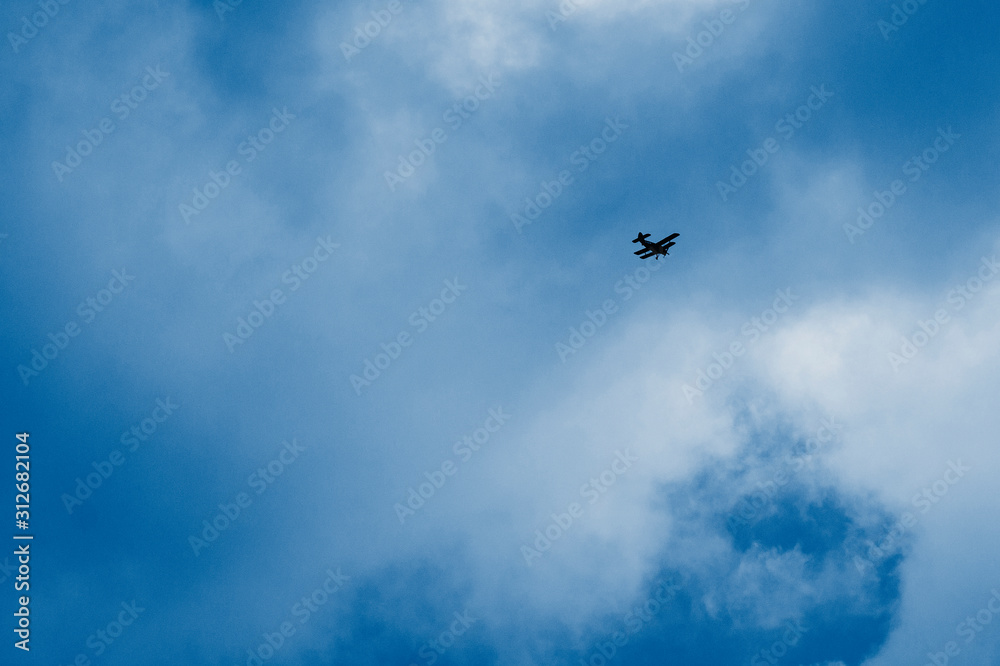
388, 417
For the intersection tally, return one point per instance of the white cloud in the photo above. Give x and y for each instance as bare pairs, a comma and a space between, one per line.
829, 359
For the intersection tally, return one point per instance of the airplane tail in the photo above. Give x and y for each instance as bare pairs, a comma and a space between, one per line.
640, 237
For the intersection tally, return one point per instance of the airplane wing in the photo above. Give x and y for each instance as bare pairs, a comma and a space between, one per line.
642, 251
647, 253
668, 238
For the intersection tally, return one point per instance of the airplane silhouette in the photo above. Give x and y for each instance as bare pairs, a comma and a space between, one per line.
654, 249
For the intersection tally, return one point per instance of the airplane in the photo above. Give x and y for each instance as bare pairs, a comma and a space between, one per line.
654, 249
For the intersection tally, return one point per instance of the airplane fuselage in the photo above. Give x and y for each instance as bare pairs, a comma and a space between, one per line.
653, 247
